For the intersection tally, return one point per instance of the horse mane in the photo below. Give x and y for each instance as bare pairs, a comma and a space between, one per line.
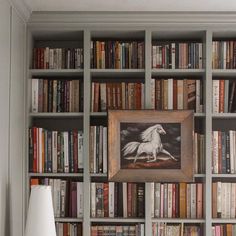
146, 135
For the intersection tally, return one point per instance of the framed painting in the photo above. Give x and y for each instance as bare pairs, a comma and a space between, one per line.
149, 145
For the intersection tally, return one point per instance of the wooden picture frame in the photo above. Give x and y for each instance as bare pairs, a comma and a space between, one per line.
138, 151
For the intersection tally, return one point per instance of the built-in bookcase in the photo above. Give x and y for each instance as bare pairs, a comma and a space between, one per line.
125, 68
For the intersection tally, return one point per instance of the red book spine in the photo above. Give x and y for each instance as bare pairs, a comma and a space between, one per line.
129, 202
35, 150
105, 199
221, 100
175, 94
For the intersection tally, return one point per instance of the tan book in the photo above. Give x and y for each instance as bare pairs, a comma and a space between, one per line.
214, 200
199, 200
182, 200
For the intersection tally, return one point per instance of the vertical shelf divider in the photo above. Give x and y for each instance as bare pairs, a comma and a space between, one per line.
208, 131
86, 179
148, 56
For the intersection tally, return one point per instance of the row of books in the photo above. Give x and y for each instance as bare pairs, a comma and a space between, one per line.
223, 96
117, 96
186, 55
55, 95
164, 229
57, 58
177, 200
223, 230
67, 196
223, 54
199, 151
98, 149
117, 55
223, 200
112, 230
177, 94
69, 229
224, 152
55, 151
117, 199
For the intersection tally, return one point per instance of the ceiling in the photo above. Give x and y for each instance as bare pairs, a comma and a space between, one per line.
131, 5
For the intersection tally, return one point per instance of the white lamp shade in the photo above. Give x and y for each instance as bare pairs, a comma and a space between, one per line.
40, 218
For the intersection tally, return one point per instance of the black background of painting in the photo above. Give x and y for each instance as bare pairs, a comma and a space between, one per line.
131, 132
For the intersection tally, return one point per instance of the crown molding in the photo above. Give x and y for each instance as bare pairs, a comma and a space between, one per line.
21, 8
142, 18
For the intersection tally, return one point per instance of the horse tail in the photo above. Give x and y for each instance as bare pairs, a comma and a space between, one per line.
130, 147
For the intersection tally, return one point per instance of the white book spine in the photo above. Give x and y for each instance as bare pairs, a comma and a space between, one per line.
219, 194
193, 201
111, 199
224, 54
233, 204
154, 58
34, 95
162, 201
66, 152
216, 96
142, 230
152, 199
170, 196
80, 150
223, 200
152, 93
93, 200
215, 153
228, 200
157, 199
125, 213
104, 150
80, 199
172, 55
54, 151
170, 94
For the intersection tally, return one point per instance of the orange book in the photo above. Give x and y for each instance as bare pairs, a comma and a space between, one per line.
229, 229
34, 181
182, 200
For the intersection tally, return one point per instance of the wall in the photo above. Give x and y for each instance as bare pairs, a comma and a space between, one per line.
12, 48
5, 20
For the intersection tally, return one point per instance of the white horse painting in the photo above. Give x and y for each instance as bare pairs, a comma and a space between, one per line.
151, 145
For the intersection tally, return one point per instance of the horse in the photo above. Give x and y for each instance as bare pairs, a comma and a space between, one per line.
151, 144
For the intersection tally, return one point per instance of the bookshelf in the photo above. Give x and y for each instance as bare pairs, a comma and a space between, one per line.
48, 34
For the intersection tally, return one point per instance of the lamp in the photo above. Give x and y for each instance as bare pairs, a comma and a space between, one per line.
40, 218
